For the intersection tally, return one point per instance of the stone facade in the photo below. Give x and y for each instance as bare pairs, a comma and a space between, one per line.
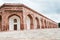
12, 15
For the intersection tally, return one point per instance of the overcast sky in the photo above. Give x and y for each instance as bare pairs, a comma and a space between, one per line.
49, 8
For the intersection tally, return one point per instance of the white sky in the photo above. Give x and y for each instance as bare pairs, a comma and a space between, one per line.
49, 8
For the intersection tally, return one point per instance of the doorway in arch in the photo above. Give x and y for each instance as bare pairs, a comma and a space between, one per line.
14, 23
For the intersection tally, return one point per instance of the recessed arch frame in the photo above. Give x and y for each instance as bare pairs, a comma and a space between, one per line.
17, 17
29, 22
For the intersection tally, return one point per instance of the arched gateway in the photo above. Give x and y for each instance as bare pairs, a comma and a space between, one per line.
14, 23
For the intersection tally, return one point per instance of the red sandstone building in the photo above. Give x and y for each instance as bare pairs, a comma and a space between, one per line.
21, 17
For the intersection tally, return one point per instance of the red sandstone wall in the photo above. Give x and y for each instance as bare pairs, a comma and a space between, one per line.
22, 12
43, 21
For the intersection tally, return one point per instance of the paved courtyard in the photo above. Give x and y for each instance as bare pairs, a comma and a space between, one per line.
39, 34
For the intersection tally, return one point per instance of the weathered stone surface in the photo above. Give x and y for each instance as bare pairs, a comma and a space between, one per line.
29, 19
39, 34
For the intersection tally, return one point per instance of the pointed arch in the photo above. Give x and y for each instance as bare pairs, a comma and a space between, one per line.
14, 15
42, 25
14, 22
45, 24
29, 22
37, 23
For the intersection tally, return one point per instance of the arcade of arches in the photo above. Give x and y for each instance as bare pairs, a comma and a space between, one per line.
14, 18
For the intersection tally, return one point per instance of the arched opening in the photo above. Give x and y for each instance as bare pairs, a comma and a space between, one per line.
45, 23
0, 22
37, 23
29, 22
49, 25
42, 23
15, 20
14, 23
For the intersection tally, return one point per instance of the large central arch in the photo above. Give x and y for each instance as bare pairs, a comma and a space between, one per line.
14, 23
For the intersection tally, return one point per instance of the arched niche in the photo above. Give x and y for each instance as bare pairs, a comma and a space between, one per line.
42, 23
37, 25
45, 24
14, 22
29, 22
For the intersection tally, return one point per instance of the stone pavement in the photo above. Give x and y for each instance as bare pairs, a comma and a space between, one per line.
39, 34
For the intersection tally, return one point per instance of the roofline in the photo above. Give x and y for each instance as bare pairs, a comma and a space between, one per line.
38, 13
22, 5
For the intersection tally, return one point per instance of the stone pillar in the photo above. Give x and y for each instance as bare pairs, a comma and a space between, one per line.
46, 24
22, 23
42, 23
